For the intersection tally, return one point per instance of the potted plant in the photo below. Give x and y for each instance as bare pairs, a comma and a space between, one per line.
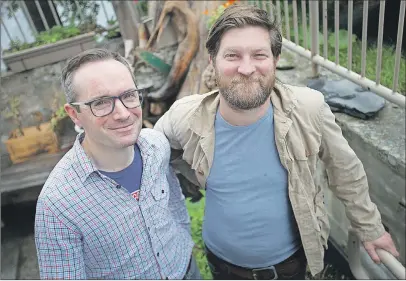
53, 45
58, 43
24, 143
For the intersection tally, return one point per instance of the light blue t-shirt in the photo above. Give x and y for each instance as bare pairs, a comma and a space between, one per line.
248, 219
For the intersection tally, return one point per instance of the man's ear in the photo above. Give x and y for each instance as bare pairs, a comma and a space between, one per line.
277, 59
73, 114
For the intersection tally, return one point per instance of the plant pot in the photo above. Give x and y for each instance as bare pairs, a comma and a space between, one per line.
49, 53
32, 143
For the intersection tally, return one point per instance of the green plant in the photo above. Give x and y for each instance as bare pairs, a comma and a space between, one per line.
214, 15
12, 111
59, 115
142, 6
52, 35
10, 6
79, 12
113, 29
196, 213
58, 119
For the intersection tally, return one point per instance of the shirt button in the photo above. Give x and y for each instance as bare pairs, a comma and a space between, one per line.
163, 191
118, 186
157, 254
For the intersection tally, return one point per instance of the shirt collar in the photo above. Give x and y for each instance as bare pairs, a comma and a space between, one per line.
83, 162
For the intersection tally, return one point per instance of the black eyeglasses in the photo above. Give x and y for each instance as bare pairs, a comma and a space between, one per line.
101, 107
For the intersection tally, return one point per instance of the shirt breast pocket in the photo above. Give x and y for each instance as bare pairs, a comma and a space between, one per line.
160, 192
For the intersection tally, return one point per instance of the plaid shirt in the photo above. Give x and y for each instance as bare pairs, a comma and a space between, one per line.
89, 227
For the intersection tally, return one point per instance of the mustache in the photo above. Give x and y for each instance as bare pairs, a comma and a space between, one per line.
244, 80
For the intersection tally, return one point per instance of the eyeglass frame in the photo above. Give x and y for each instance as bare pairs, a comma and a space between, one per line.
114, 98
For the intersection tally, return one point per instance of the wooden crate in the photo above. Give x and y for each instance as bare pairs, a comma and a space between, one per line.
32, 143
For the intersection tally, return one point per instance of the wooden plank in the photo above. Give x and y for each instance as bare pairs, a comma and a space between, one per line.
33, 172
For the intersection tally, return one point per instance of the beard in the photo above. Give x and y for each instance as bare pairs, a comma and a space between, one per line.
245, 93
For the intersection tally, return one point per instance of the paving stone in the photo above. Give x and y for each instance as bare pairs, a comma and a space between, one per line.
9, 259
28, 268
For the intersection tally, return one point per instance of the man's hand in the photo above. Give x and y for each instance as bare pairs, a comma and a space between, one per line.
384, 242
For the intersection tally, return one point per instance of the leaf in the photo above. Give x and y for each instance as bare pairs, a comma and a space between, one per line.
301, 36
342, 39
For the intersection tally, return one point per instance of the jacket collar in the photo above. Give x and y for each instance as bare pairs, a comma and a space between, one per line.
202, 121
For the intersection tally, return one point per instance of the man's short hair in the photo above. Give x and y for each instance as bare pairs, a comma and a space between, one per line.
91, 55
238, 16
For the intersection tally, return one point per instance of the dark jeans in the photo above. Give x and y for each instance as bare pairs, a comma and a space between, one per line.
293, 267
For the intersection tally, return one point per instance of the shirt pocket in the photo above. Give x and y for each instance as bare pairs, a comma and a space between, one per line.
160, 191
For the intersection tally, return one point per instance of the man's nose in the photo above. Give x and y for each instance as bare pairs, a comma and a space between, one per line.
246, 67
120, 111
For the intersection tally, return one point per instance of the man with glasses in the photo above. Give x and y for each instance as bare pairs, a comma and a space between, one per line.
112, 208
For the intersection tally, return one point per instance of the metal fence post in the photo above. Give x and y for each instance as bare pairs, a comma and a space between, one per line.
314, 25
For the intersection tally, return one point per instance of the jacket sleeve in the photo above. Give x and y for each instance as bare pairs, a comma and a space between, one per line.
59, 247
165, 125
347, 179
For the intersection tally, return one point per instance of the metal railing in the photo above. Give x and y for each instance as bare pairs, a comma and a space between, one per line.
19, 25
357, 253
313, 53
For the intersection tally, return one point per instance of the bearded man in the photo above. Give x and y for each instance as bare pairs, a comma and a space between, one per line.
253, 145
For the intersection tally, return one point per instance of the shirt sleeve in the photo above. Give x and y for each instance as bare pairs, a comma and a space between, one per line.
59, 245
177, 202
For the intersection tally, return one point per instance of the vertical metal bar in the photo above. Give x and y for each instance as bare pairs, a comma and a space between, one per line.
260, 4
5, 28
314, 25
286, 10
380, 39
54, 13
325, 31
19, 27
28, 16
304, 24
278, 14
82, 17
104, 10
294, 3
271, 11
364, 37
349, 27
41, 13
399, 45
337, 29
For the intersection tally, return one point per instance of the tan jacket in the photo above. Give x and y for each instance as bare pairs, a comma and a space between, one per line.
305, 130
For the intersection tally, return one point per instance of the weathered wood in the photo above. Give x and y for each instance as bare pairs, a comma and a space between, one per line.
193, 82
33, 172
186, 24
